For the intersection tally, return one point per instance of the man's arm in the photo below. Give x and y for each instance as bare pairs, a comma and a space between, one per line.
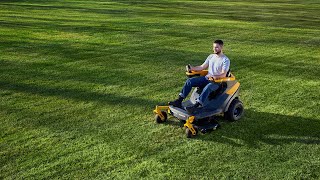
204, 66
199, 68
224, 74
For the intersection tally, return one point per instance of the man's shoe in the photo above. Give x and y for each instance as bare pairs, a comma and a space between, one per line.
176, 103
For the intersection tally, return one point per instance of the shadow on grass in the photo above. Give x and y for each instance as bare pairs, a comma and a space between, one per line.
96, 60
257, 128
75, 94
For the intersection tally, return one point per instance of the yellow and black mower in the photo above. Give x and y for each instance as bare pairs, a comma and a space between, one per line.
224, 101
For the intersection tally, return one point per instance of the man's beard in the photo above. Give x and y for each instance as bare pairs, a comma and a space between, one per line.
219, 52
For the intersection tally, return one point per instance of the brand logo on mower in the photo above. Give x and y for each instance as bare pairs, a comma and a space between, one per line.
182, 115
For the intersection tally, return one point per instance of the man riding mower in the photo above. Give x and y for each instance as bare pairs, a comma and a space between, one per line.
216, 92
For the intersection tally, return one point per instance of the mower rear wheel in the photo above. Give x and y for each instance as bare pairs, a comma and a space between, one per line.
235, 111
158, 118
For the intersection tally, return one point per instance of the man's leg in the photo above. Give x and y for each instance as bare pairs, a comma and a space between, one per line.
204, 96
191, 82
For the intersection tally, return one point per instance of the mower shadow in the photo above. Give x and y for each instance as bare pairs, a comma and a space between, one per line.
257, 128
171, 121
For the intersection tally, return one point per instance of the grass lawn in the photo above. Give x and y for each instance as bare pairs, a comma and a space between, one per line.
79, 80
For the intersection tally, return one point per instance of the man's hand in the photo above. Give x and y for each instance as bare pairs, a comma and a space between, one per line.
212, 78
188, 68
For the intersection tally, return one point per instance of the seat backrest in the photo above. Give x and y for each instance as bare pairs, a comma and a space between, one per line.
228, 73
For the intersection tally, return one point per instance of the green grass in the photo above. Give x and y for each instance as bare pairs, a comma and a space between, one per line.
79, 80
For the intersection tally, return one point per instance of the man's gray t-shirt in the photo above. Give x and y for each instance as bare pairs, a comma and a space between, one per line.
216, 64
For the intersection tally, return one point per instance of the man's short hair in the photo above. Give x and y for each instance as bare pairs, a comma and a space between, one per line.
220, 42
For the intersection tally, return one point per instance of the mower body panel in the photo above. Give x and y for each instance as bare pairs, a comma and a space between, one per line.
219, 102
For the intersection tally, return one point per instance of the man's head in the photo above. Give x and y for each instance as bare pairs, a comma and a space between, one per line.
217, 46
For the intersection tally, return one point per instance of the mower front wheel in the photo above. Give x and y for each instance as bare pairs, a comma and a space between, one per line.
189, 133
158, 118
